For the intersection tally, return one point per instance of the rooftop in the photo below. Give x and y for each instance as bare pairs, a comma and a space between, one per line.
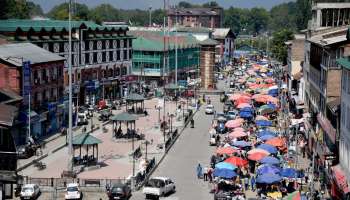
329, 38
15, 54
222, 33
193, 29
7, 115
195, 11
12, 25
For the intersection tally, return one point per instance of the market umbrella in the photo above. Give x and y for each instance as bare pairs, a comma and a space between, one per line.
270, 160
265, 109
235, 96
273, 92
277, 142
272, 99
245, 115
247, 109
260, 117
234, 123
237, 134
258, 151
268, 169
256, 156
268, 178
226, 150
238, 129
236, 161
224, 173
291, 173
267, 147
265, 132
225, 165
266, 137
263, 123
244, 105
241, 144
269, 80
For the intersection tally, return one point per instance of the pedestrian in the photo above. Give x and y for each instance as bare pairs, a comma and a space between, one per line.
246, 182
210, 174
199, 171
252, 183
205, 173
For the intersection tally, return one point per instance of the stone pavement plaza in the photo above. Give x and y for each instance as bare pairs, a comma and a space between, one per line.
113, 153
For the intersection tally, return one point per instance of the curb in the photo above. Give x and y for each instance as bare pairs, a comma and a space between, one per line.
165, 153
32, 162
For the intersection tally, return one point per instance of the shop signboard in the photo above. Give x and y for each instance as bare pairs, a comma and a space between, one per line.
26, 82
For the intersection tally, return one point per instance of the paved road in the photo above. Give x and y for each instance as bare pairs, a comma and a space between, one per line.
191, 148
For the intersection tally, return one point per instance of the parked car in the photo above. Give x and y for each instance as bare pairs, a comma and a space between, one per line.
73, 191
209, 109
119, 191
82, 119
231, 114
30, 191
158, 186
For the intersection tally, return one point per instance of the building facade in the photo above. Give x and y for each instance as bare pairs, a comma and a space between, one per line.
45, 82
195, 17
152, 60
225, 49
101, 55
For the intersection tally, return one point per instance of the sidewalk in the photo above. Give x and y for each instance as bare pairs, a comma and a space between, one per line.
114, 154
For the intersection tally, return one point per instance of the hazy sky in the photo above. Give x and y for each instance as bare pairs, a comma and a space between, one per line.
144, 4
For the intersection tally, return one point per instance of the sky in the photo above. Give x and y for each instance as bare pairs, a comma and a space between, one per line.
145, 4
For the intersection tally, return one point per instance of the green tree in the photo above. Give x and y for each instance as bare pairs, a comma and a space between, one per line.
258, 20
283, 16
279, 48
236, 19
184, 4
303, 13
104, 12
16, 9
158, 16
34, 9
60, 12
211, 4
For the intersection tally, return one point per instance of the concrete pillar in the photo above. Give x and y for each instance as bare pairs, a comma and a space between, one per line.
319, 18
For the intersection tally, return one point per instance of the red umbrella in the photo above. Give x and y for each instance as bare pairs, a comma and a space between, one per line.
226, 150
256, 156
234, 123
237, 161
243, 105
237, 134
238, 128
262, 151
277, 142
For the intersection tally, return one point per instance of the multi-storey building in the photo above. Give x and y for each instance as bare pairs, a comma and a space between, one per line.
295, 59
196, 17
344, 139
225, 48
101, 55
42, 87
152, 60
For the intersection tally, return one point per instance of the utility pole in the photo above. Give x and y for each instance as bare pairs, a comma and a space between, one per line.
70, 133
176, 48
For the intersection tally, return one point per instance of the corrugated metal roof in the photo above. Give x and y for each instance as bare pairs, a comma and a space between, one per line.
17, 53
7, 115
209, 42
345, 62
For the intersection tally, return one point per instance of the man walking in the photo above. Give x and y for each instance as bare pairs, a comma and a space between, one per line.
199, 171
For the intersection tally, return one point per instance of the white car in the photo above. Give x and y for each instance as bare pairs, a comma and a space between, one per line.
209, 109
73, 191
158, 186
30, 191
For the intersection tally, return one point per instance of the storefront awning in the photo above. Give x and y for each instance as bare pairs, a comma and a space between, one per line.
340, 178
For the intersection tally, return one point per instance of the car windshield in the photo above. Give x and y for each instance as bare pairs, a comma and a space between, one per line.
72, 189
155, 183
117, 190
27, 189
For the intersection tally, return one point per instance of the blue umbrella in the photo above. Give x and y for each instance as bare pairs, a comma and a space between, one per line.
268, 169
271, 105
270, 160
225, 165
268, 178
241, 144
291, 173
263, 123
273, 92
266, 132
246, 109
269, 74
267, 147
245, 114
224, 173
266, 137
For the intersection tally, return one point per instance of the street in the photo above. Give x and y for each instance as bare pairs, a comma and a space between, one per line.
180, 164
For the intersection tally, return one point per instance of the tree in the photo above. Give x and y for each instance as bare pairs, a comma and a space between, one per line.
158, 16
60, 12
104, 12
279, 48
34, 9
236, 19
258, 20
14, 9
283, 16
303, 13
184, 4
211, 4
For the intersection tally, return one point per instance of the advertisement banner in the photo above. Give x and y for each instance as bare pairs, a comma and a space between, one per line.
26, 82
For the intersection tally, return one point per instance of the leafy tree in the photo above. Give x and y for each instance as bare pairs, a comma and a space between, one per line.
258, 20
283, 16
104, 12
279, 48
303, 13
236, 19
34, 9
158, 16
211, 4
17, 9
184, 4
60, 12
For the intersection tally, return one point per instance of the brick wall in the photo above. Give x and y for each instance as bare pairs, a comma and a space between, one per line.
10, 78
298, 50
333, 83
